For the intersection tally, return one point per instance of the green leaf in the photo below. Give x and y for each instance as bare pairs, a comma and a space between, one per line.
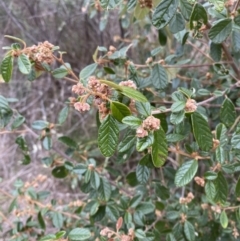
174, 137
112, 213
60, 234
87, 71
47, 142
237, 20
237, 189
145, 208
133, 94
12, 205
142, 174
145, 142
104, 189
178, 106
60, 73
131, 179
159, 148
159, 77
177, 23
40, 124
203, 92
132, 121
108, 70
235, 141
57, 219
60, 172
170, 237
135, 201
186, 9
210, 190
119, 110
216, 51
24, 64
128, 141
4, 103
6, 68
177, 117
220, 154
63, 115
185, 173
221, 30
221, 133
95, 180
202, 132
41, 221
49, 237
224, 219
163, 13
68, 141
79, 234
221, 186
18, 122
228, 113
236, 41
143, 108
210, 175
162, 38
199, 14
189, 231
219, 5
108, 136
120, 54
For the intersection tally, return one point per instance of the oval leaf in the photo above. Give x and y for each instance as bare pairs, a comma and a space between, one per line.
228, 113
224, 219
186, 173
6, 68
201, 131
24, 64
79, 234
164, 12
159, 148
87, 71
221, 30
108, 136
119, 110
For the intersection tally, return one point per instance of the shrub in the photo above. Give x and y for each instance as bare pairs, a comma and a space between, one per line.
168, 129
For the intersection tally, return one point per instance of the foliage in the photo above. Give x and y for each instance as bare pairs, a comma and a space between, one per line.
176, 114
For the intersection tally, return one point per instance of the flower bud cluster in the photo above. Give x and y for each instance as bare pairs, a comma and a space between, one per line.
216, 209
149, 124
41, 53
186, 200
128, 83
107, 232
191, 105
95, 88
200, 181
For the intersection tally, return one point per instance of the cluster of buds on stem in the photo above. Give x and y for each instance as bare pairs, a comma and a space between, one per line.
41, 53
191, 105
200, 181
149, 124
186, 200
100, 92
